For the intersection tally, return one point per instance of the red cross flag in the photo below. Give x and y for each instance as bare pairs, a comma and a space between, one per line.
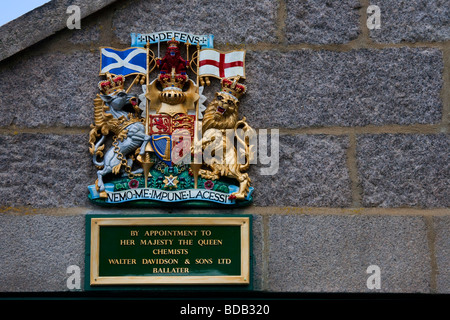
221, 64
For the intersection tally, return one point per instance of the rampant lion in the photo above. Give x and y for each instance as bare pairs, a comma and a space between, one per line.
222, 114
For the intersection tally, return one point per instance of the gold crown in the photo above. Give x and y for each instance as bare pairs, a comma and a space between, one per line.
172, 88
232, 87
173, 80
173, 43
111, 84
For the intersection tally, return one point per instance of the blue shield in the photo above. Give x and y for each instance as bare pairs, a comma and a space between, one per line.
162, 144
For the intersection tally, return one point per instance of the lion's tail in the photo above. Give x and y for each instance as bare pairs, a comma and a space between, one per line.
246, 141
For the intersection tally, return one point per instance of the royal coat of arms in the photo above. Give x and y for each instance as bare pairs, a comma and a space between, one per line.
163, 146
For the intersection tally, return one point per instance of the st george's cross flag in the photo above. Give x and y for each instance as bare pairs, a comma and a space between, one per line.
221, 64
124, 62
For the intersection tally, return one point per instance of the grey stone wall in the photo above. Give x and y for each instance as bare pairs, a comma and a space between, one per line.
364, 137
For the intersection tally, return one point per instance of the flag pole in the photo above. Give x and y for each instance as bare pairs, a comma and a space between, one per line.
134, 81
144, 157
195, 166
147, 83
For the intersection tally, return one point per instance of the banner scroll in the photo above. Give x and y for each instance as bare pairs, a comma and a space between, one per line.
141, 39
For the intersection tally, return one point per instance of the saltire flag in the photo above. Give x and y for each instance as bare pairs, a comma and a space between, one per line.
125, 62
221, 64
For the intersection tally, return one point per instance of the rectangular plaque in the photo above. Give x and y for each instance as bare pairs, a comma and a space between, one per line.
169, 250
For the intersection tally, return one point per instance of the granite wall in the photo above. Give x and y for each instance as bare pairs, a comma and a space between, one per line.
364, 137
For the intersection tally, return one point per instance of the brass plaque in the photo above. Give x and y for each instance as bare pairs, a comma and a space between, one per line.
169, 250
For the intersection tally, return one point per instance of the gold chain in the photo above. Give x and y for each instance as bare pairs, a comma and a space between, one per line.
123, 161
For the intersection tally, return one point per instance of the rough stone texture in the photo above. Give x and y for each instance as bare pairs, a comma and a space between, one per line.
412, 21
257, 242
322, 22
404, 170
45, 170
442, 247
41, 23
331, 253
355, 88
52, 85
89, 33
235, 21
35, 251
49, 89
312, 172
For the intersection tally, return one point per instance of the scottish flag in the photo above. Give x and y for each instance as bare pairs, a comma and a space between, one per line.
124, 62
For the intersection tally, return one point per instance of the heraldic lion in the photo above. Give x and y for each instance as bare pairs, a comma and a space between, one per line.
222, 115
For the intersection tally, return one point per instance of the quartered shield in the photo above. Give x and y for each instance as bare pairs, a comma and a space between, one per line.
171, 137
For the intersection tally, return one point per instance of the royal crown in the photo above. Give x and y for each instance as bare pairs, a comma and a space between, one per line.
111, 84
232, 87
173, 43
172, 88
172, 81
